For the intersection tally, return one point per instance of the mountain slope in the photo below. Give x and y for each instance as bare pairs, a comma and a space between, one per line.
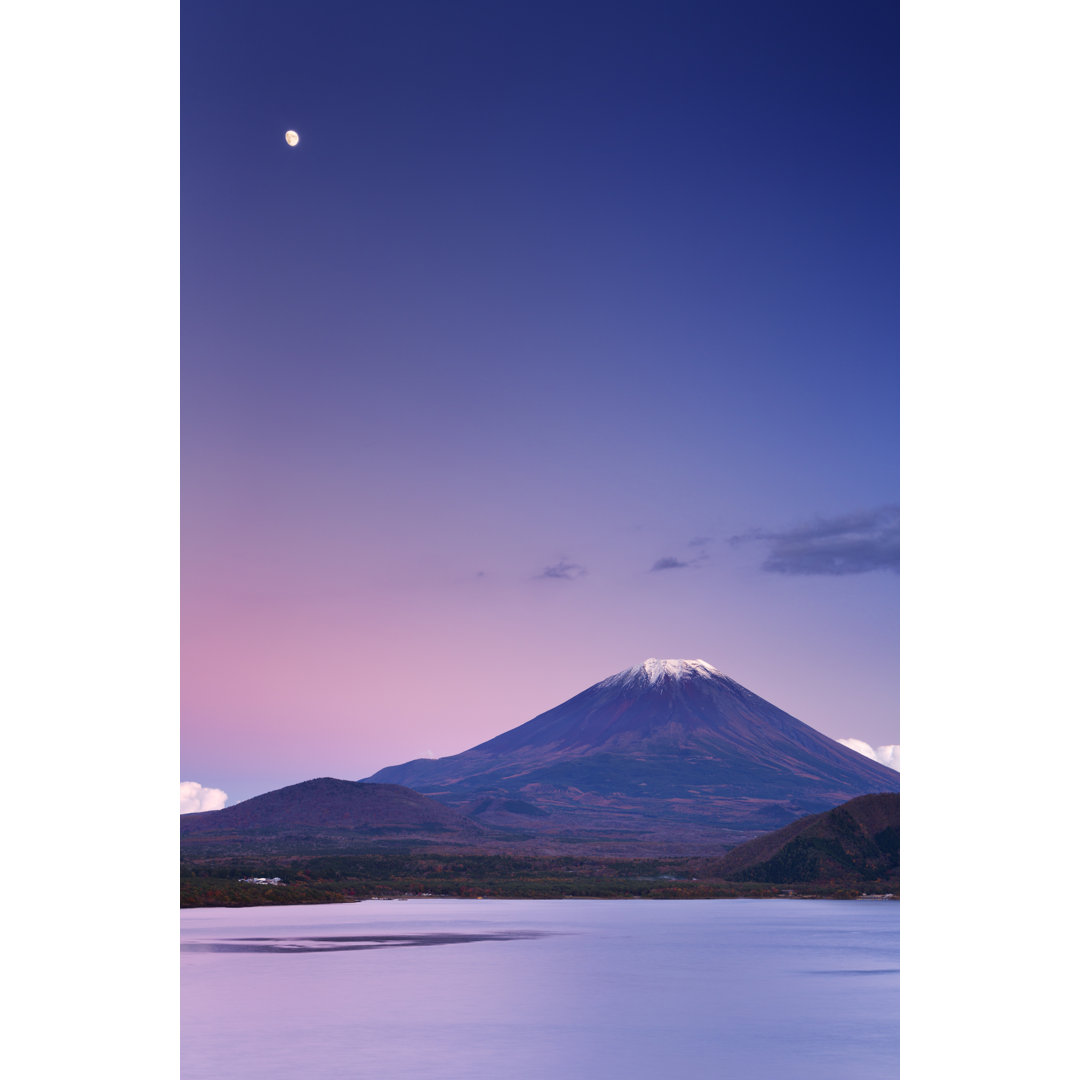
668, 747
858, 841
333, 813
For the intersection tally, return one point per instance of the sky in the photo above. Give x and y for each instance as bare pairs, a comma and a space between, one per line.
566, 336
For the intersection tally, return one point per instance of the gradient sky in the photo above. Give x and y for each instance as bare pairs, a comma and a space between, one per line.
566, 337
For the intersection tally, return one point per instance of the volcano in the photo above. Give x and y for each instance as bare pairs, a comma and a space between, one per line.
669, 749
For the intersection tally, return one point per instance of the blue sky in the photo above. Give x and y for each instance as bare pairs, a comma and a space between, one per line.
566, 336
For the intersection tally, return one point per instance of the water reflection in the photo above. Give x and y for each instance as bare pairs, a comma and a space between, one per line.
352, 943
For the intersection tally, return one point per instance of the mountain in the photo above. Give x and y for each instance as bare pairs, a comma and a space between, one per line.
326, 813
856, 842
670, 749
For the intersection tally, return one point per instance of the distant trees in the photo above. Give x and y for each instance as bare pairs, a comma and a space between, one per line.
813, 866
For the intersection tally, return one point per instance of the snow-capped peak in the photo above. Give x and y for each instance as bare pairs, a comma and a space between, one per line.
651, 671
656, 669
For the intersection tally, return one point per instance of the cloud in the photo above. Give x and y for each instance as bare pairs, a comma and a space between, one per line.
673, 562
563, 570
698, 541
194, 797
669, 562
884, 755
852, 544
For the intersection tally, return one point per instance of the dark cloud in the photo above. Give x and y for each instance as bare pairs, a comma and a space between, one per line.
852, 544
563, 570
698, 541
669, 562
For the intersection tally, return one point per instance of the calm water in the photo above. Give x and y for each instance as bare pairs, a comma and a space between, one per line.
542, 989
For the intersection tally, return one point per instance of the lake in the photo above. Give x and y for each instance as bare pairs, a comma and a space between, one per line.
542, 989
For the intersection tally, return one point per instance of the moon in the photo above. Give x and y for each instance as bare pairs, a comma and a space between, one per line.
292, 138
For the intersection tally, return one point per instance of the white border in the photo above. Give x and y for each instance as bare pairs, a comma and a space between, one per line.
89, 409
989, 290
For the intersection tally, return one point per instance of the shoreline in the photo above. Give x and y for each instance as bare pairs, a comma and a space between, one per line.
864, 897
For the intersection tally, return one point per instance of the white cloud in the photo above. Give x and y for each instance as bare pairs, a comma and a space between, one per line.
884, 755
195, 797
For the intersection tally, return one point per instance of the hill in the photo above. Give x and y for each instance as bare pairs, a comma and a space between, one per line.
669, 752
326, 814
853, 843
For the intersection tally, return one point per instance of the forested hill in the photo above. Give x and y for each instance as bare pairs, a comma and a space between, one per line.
326, 813
855, 842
